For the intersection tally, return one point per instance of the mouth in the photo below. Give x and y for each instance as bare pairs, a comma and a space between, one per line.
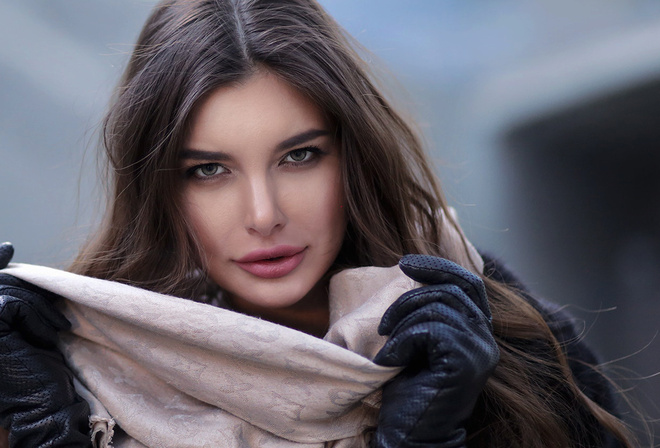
272, 263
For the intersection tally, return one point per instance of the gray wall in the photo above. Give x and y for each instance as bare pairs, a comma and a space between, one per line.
537, 114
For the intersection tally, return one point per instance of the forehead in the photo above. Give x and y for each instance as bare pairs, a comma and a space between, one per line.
260, 109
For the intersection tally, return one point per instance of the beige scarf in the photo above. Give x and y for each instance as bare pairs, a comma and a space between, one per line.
175, 373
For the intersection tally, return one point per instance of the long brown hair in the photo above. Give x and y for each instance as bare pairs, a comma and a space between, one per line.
189, 48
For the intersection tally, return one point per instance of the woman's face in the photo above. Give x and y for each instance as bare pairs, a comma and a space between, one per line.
263, 191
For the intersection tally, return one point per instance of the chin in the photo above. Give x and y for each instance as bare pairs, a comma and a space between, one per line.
274, 297
270, 294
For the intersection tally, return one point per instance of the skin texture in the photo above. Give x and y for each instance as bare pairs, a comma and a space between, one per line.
247, 189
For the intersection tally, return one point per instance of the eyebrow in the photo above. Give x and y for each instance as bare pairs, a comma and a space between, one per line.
216, 156
196, 154
301, 138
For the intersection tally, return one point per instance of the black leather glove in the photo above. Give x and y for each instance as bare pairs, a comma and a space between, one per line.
442, 334
38, 403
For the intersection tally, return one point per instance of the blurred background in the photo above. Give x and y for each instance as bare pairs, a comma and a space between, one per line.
542, 118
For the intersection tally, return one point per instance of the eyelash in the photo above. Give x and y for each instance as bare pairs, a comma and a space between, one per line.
313, 152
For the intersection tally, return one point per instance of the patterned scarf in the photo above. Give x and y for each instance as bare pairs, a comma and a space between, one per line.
161, 371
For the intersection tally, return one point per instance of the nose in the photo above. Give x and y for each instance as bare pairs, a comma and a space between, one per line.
263, 213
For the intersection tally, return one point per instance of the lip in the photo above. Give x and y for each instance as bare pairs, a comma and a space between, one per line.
273, 262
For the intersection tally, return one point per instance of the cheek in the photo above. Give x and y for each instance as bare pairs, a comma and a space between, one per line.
321, 201
335, 216
209, 220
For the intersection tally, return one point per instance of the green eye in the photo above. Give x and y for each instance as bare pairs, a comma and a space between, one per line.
299, 155
302, 155
208, 170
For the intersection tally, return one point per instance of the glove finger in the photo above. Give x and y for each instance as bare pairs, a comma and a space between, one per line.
31, 314
440, 312
419, 344
33, 305
6, 253
10, 280
420, 333
422, 323
410, 301
441, 347
32, 328
433, 270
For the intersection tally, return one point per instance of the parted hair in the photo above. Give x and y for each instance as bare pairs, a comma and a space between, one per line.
187, 49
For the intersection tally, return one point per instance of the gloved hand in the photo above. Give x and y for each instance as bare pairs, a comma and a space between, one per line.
6, 252
38, 403
442, 335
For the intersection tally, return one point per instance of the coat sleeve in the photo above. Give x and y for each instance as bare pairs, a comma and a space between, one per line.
582, 360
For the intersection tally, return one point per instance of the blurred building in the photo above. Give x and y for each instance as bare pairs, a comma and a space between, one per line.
541, 117
578, 135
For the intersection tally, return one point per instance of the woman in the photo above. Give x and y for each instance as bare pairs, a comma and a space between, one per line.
253, 158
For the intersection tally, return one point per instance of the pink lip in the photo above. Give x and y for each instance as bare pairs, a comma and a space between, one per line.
274, 262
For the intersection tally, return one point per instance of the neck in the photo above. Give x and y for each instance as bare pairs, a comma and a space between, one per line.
310, 315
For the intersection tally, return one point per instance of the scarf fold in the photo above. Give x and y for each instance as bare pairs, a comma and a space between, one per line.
170, 372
